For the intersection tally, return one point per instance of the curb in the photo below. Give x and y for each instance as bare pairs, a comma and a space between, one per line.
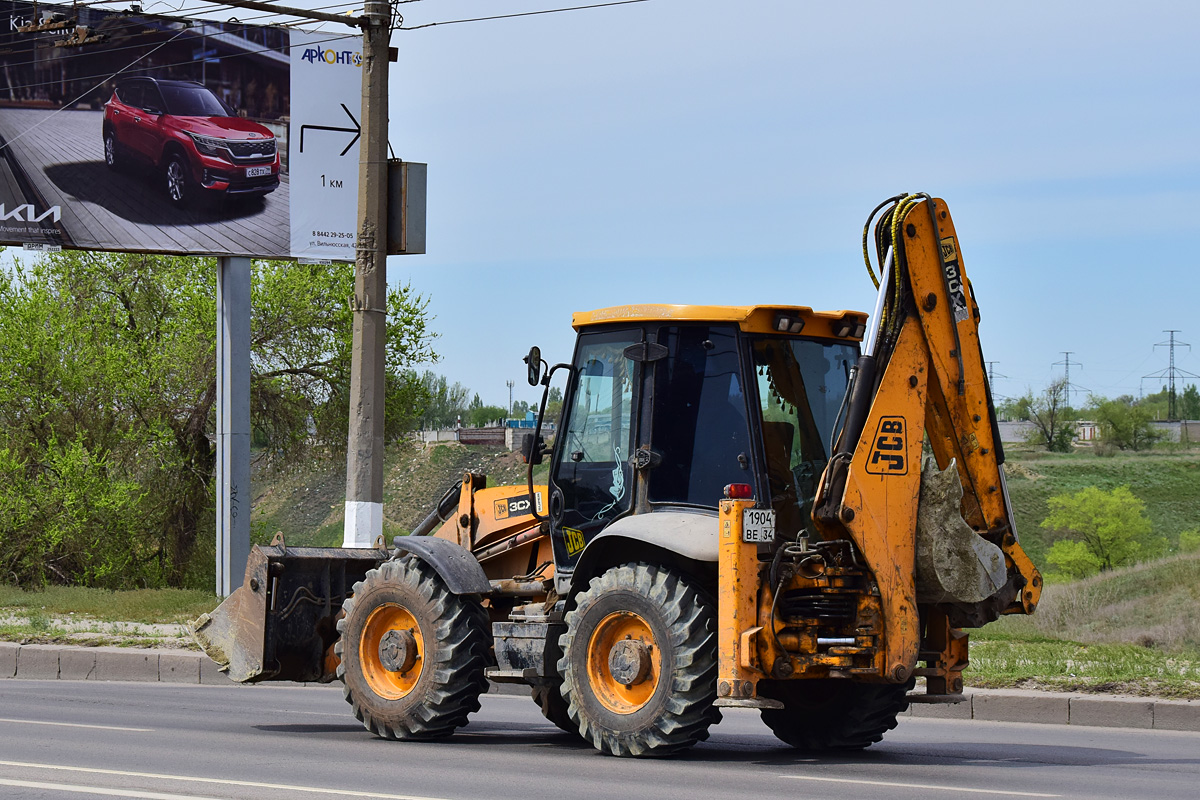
1061, 708
61, 662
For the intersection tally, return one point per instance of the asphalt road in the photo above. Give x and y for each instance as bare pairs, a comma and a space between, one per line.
63, 739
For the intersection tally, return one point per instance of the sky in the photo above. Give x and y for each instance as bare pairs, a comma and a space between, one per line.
696, 151
693, 151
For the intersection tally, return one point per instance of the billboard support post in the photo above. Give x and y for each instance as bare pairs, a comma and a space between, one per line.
364, 452
233, 421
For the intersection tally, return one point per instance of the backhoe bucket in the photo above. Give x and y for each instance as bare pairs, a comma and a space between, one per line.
280, 625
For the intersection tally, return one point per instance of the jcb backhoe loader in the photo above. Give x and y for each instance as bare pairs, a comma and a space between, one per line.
736, 514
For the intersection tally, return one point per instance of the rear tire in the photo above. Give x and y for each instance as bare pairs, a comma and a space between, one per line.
832, 714
639, 667
412, 654
554, 708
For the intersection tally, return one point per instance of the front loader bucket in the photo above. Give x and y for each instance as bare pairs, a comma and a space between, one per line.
280, 624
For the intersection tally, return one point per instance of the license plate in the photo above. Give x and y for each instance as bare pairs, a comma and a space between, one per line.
758, 525
257, 172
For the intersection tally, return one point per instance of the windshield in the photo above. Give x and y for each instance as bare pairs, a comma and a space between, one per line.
193, 101
801, 383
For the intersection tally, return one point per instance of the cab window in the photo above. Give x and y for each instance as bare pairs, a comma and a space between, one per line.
593, 473
700, 430
801, 383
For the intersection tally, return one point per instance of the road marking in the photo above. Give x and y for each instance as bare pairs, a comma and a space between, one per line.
77, 725
1005, 792
132, 793
221, 781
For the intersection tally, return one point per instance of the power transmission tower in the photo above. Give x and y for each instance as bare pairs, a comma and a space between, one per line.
991, 373
1066, 365
1171, 371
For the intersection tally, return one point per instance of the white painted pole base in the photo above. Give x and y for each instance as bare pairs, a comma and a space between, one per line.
364, 523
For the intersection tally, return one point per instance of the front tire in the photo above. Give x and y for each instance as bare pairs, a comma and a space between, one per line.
639, 663
833, 714
412, 654
114, 159
178, 180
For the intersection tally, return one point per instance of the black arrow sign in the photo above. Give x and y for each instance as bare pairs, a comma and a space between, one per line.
356, 130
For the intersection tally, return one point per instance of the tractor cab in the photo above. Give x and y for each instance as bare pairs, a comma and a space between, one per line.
668, 405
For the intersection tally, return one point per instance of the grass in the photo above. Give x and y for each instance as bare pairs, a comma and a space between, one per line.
1135, 630
1071, 666
91, 617
1166, 479
146, 606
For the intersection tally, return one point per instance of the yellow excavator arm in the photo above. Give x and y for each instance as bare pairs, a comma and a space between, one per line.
910, 553
922, 376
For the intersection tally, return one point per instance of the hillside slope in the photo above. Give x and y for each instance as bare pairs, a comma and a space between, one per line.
307, 504
1167, 482
1156, 604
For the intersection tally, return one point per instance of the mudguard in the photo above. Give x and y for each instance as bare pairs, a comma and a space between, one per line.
690, 534
454, 564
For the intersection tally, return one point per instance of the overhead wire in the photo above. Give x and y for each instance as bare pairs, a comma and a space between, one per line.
520, 14
108, 76
50, 35
52, 115
203, 8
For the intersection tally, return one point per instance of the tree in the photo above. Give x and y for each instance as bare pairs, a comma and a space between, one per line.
1052, 417
444, 405
1125, 425
1073, 559
107, 413
481, 416
1189, 403
554, 403
1102, 530
1014, 408
301, 338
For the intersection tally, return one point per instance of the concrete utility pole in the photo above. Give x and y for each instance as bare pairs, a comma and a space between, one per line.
364, 456
233, 309
364, 459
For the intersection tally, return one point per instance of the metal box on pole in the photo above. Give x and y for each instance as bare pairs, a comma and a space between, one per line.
406, 208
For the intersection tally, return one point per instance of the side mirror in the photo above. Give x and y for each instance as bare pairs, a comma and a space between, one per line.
534, 361
533, 448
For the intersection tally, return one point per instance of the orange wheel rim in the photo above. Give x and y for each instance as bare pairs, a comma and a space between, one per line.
623, 630
385, 626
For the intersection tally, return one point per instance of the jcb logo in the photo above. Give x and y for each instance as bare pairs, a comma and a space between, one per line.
501, 509
888, 448
949, 249
573, 539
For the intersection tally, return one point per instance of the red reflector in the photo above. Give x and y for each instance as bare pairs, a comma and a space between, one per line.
739, 491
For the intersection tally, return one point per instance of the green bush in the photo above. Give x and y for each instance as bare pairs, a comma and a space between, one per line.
1189, 541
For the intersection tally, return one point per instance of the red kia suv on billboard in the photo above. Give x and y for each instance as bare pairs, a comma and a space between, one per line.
193, 140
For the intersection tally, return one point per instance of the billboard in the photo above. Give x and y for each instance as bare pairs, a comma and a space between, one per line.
141, 133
